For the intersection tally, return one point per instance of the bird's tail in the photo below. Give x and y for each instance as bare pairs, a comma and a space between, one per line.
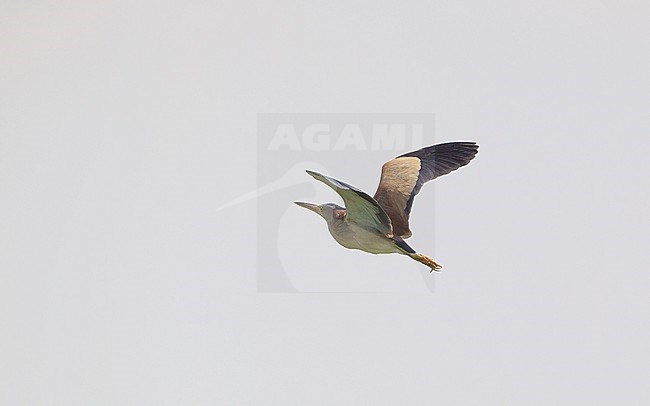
403, 246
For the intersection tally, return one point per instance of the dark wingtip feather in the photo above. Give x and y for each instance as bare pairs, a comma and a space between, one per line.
468, 148
438, 160
456, 154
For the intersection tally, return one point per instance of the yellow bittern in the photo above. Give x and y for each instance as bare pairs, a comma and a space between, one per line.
379, 225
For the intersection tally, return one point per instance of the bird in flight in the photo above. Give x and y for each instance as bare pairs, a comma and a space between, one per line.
380, 224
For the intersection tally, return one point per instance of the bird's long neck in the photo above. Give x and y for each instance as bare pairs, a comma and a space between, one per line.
341, 231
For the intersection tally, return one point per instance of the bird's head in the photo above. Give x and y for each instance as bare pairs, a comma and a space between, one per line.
328, 211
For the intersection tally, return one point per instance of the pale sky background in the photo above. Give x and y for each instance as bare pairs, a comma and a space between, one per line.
124, 125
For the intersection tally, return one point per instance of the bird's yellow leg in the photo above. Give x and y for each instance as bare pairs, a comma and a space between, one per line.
427, 261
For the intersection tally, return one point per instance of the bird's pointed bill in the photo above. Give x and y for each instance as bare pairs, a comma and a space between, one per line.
310, 206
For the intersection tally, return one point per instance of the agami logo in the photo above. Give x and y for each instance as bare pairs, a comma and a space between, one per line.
349, 136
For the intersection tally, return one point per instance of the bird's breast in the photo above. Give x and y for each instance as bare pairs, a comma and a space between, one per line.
352, 236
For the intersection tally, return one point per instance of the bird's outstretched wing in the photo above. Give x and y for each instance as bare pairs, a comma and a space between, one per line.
360, 207
403, 177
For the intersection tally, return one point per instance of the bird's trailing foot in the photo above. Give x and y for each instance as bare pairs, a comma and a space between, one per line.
427, 261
